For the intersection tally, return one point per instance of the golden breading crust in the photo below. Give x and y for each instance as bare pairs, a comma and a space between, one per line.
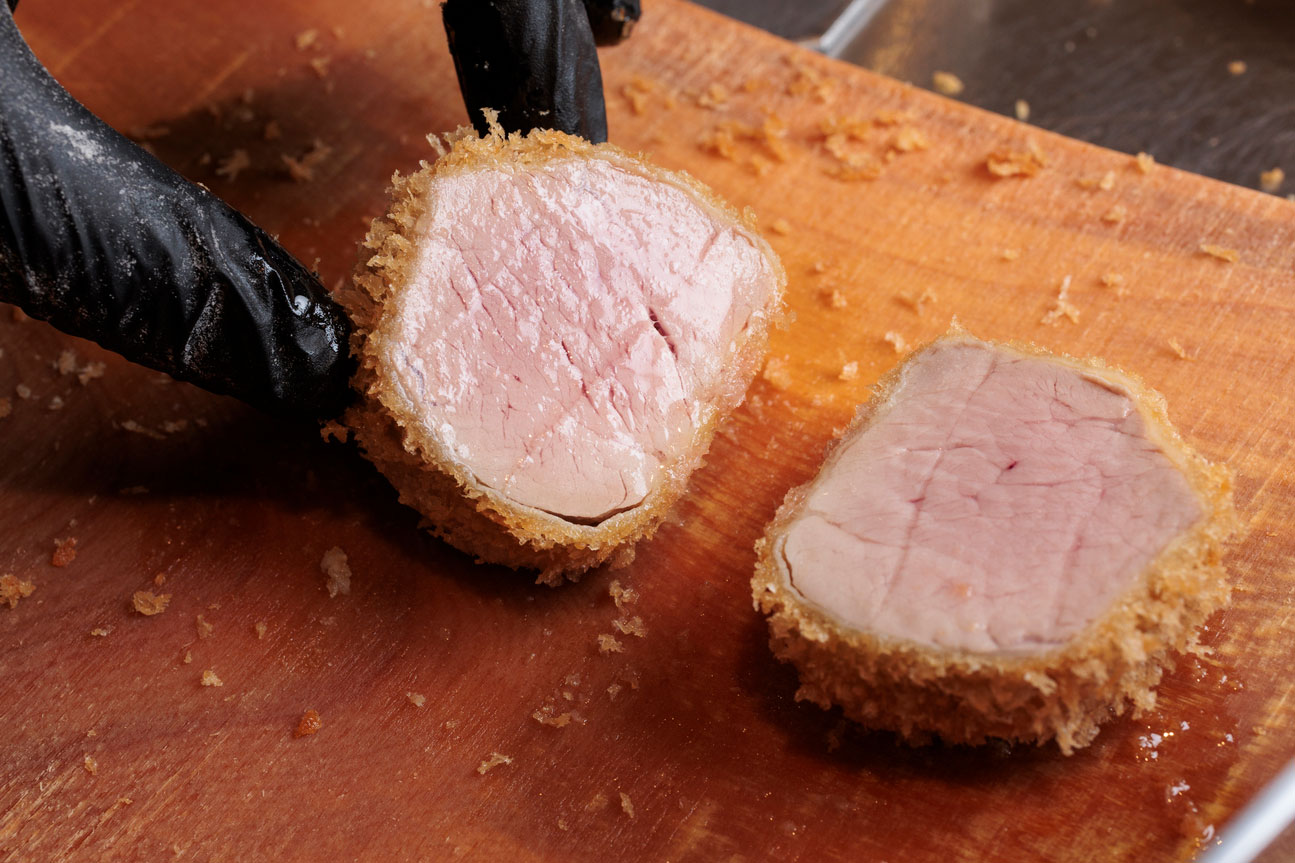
966, 697
470, 516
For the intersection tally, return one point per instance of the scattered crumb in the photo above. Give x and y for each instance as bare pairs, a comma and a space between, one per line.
835, 298
947, 83
1116, 215
1016, 163
781, 226
622, 596
1178, 350
631, 626
209, 678
416, 698
188, 658
91, 766
272, 131
1237, 67
1011, 254
614, 690
159, 579
917, 301
6, 407
204, 628
260, 628
563, 825
627, 806
233, 165
1062, 308
1105, 182
1271, 181
309, 724
819, 267
1144, 162
100, 632
64, 551
320, 65
1221, 252
148, 603
597, 804
302, 169
776, 373
849, 371
12, 589
1022, 110
23, 391
136, 428
66, 362
306, 38
334, 565
896, 341
547, 716
1116, 281
492, 762
608, 644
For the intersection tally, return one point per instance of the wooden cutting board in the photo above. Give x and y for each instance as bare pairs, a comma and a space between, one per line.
686, 744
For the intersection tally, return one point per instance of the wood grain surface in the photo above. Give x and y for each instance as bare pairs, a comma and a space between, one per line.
687, 744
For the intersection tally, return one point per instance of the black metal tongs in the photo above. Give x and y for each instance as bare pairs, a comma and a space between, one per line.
105, 242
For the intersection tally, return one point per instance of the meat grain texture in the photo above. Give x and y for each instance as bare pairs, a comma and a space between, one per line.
1004, 544
548, 334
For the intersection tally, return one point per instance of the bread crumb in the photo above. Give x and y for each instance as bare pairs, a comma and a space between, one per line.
90, 372
627, 806
614, 690
334, 565
1105, 182
896, 341
148, 603
909, 140
204, 628
781, 227
1271, 181
320, 65
608, 644
631, 626
209, 678
23, 391
622, 596
260, 629
492, 762
1237, 67
306, 38
777, 373
1144, 162
302, 169
233, 165
416, 698
947, 83
597, 803
99, 632
849, 371
309, 724
1223, 253
64, 551
12, 589
1022, 110
66, 362
835, 298
6, 407
1062, 308
1116, 215
1116, 281
917, 301
91, 766
1178, 349
716, 96
547, 716
1010, 254
136, 428
563, 825
1016, 163
188, 658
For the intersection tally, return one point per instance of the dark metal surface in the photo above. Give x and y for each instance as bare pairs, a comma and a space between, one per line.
1149, 75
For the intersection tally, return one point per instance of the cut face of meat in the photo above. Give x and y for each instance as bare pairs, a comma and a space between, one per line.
1000, 502
1005, 544
565, 326
549, 333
